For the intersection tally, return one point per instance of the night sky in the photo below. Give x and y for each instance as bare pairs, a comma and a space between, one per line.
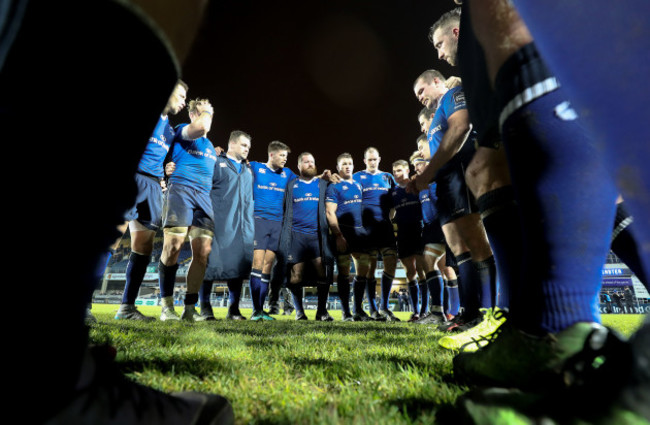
321, 76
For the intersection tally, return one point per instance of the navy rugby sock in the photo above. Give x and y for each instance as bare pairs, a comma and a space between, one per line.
565, 193
359, 289
424, 298
135, 272
487, 274
167, 279
296, 292
386, 286
343, 285
323, 292
413, 295
205, 291
264, 289
234, 294
371, 293
470, 284
453, 297
191, 299
501, 219
436, 286
256, 286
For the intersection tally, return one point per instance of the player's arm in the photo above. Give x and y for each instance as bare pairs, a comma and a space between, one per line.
333, 221
328, 176
452, 141
201, 125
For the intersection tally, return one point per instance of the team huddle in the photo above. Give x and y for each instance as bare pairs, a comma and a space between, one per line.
261, 222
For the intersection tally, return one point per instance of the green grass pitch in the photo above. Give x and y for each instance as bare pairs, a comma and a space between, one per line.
289, 372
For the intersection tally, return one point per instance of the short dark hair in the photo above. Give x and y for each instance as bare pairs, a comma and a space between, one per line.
276, 146
401, 163
428, 76
428, 112
236, 134
344, 155
182, 84
451, 17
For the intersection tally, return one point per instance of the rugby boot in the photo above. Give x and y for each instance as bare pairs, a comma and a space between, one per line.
475, 337
267, 317
324, 317
513, 358
432, 319
377, 317
207, 314
131, 312
414, 318
348, 318
390, 317
234, 315
301, 316
169, 313
190, 314
361, 317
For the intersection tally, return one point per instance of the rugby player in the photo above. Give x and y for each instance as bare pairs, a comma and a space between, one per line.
145, 218
232, 245
304, 239
188, 209
407, 215
376, 185
448, 152
269, 184
344, 209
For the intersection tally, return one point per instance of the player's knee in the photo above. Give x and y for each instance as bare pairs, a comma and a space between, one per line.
199, 233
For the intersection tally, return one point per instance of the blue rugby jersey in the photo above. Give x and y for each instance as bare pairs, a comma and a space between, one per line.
305, 206
157, 148
348, 196
408, 210
453, 100
428, 201
376, 196
195, 160
268, 190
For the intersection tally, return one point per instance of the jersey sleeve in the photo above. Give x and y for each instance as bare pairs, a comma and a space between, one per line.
331, 194
455, 101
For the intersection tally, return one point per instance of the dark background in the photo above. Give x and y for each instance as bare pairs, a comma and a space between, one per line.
321, 76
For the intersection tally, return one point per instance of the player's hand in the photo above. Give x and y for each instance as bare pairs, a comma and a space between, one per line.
218, 150
341, 243
170, 167
412, 186
453, 82
204, 106
335, 178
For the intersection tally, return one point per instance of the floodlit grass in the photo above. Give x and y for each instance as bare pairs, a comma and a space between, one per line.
289, 372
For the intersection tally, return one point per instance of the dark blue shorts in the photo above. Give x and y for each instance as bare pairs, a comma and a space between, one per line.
267, 234
148, 203
355, 237
409, 241
380, 235
185, 206
304, 247
454, 197
432, 233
